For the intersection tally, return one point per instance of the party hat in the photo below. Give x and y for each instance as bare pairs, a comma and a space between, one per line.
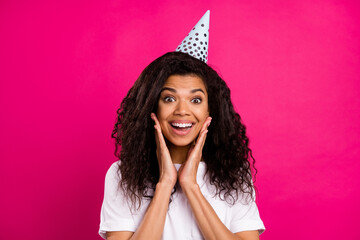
197, 41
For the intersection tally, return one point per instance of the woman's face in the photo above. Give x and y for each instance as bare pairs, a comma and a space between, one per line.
182, 108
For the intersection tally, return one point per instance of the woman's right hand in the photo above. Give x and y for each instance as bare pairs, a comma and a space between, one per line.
168, 173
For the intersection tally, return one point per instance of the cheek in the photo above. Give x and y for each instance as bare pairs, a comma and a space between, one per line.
202, 114
161, 116
160, 112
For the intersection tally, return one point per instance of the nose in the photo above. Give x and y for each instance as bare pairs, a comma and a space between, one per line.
182, 108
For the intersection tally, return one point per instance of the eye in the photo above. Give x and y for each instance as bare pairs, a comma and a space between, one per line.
196, 100
169, 99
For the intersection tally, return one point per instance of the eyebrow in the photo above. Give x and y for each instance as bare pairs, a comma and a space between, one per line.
174, 91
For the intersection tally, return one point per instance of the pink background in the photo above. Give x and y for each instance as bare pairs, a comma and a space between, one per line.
293, 68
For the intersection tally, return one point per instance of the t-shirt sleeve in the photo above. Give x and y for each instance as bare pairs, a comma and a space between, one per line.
115, 212
246, 217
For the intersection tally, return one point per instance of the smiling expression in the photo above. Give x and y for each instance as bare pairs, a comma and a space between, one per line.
182, 108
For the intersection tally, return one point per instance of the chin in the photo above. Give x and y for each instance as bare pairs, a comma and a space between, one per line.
180, 143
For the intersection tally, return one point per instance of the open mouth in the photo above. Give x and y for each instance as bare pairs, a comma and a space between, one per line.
181, 125
181, 128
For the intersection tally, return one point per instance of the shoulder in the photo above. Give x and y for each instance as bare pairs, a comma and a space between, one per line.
113, 172
112, 177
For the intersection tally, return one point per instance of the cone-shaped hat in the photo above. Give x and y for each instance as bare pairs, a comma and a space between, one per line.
197, 41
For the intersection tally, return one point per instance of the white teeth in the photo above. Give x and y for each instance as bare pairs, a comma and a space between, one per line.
182, 125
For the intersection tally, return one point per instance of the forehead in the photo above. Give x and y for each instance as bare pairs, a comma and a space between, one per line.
185, 82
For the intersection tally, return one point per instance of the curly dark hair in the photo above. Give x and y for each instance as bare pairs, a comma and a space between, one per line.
229, 160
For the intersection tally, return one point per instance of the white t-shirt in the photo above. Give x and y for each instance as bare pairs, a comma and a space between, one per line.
180, 222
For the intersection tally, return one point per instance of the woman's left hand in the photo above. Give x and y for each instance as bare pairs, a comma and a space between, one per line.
187, 172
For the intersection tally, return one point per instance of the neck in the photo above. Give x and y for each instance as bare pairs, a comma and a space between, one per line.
178, 154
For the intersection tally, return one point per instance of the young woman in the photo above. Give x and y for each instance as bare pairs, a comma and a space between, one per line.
185, 168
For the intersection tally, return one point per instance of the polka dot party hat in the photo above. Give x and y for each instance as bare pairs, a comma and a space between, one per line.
197, 41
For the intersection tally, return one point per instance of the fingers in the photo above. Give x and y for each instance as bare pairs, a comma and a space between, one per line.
168, 173
189, 169
159, 136
203, 133
153, 117
206, 123
197, 149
